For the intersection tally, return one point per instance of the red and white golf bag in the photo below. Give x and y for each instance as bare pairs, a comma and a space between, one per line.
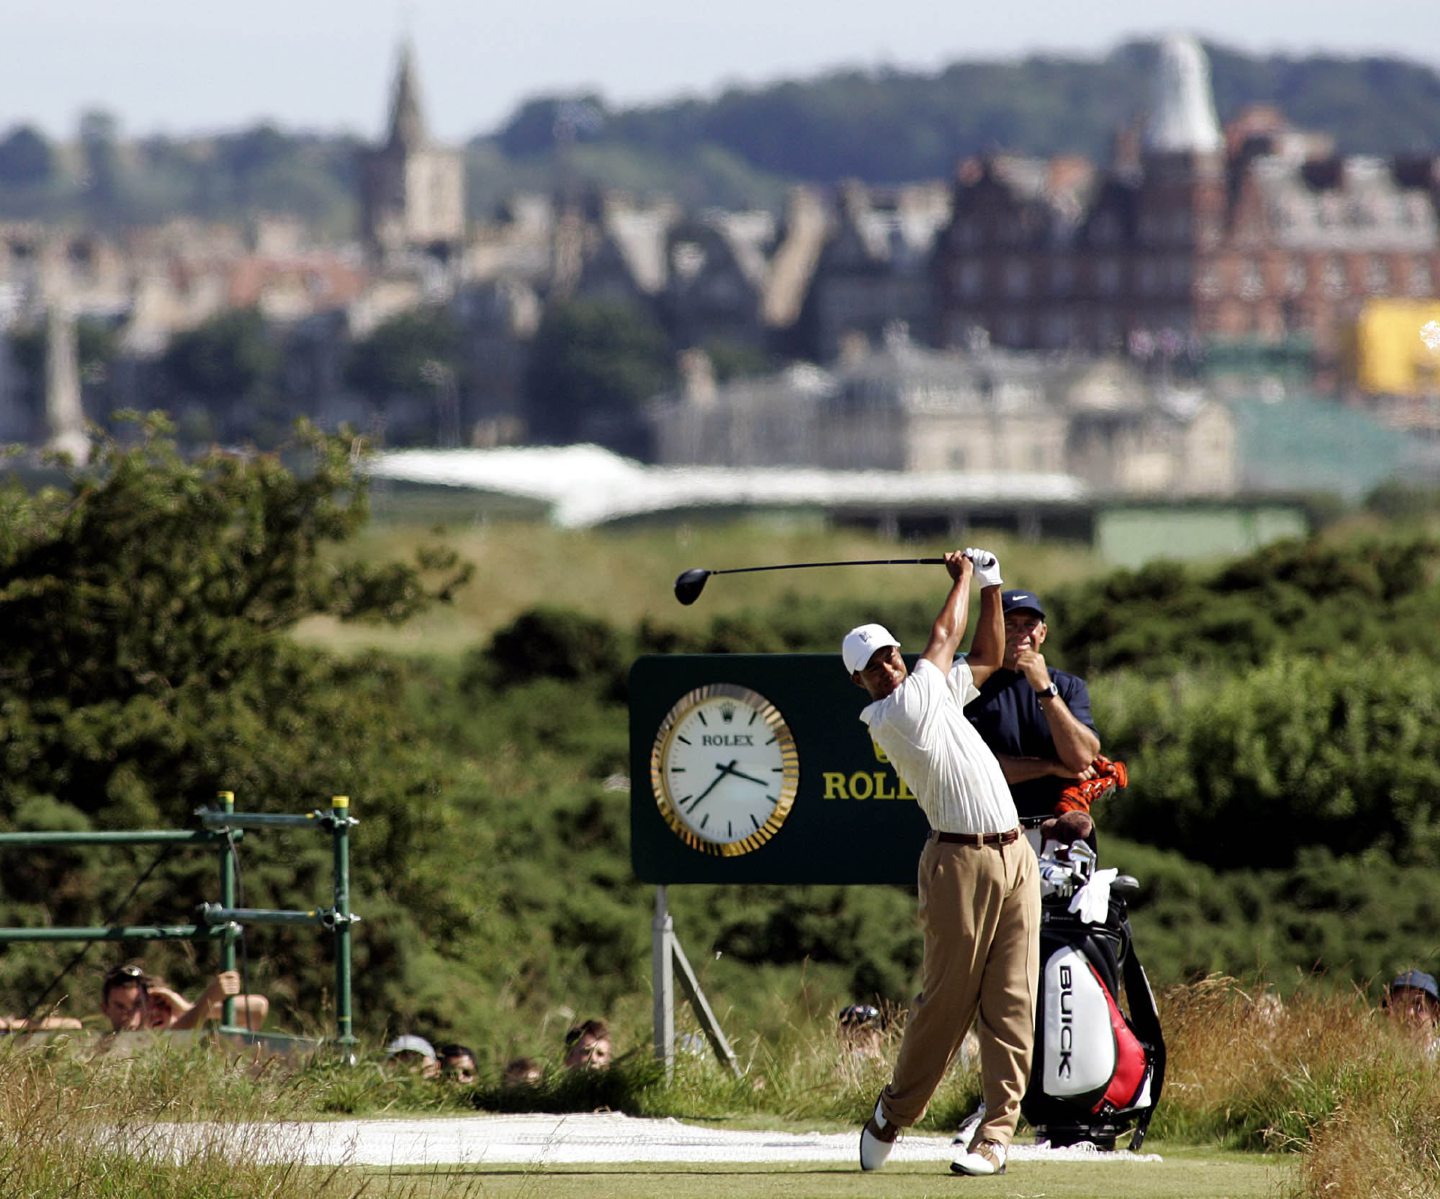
1098, 1067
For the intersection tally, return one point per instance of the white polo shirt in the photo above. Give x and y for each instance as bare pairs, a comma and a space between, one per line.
922, 729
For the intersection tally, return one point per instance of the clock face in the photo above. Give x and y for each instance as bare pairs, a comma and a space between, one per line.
724, 769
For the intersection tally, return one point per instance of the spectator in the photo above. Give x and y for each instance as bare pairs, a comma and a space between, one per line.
522, 1072
171, 1011
1036, 719
134, 1001
861, 1027
1413, 1000
125, 998
457, 1063
410, 1054
587, 1046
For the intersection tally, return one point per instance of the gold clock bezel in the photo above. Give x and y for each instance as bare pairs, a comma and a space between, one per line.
789, 760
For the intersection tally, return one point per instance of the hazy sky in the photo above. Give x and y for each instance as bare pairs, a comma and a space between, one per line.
197, 65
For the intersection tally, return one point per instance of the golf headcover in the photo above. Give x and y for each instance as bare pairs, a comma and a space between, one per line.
1067, 828
1078, 796
987, 566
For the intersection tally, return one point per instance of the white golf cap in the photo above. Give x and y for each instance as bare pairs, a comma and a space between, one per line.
861, 643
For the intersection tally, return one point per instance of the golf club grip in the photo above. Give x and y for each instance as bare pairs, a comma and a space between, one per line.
741, 570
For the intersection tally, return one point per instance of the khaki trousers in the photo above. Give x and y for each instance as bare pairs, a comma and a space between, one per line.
980, 912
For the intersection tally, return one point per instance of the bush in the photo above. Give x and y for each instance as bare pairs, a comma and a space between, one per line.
1248, 768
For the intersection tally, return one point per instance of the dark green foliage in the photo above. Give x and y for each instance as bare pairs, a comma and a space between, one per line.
1403, 501
884, 125
735, 360
891, 125
1356, 919
592, 364
144, 615
96, 344
1246, 769
1283, 696
553, 643
405, 355
542, 122
26, 158
228, 358
1292, 597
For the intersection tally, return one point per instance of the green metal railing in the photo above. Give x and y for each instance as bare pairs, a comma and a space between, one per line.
223, 921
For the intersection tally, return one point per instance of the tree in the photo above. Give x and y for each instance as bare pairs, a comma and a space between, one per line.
100, 154
540, 123
146, 662
400, 356
96, 345
230, 357
26, 158
592, 365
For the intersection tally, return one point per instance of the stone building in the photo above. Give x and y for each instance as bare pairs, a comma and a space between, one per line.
902, 407
1265, 236
875, 268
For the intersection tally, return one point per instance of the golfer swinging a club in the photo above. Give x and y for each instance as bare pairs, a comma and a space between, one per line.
979, 890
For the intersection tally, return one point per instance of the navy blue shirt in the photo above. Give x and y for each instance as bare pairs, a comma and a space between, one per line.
1008, 718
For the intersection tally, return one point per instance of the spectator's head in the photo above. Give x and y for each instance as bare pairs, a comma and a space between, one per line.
160, 1012
522, 1072
860, 1027
412, 1055
587, 1046
1024, 623
1414, 999
457, 1063
125, 998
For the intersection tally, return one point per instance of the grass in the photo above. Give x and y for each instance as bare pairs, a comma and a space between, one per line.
627, 574
1185, 1175
1319, 1097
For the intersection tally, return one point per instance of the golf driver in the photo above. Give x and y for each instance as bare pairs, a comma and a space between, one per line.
692, 582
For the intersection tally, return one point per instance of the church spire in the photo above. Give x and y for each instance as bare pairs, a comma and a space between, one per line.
1182, 109
407, 123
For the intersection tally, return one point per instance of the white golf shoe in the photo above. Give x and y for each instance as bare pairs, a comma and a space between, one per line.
877, 1138
985, 1158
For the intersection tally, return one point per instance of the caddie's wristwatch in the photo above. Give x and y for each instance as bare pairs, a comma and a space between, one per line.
1050, 692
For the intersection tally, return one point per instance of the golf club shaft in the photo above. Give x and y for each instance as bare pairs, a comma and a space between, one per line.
740, 570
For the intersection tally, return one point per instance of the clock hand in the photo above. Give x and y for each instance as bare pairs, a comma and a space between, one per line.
740, 774
720, 773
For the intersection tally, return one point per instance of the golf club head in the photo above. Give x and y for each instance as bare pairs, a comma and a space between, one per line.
690, 584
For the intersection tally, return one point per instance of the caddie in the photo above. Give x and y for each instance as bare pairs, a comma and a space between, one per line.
1035, 718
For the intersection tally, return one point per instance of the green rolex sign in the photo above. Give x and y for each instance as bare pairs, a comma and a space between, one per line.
755, 768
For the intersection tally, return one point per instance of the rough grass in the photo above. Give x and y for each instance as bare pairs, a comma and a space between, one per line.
627, 574
82, 1123
1325, 1075
1340, 1102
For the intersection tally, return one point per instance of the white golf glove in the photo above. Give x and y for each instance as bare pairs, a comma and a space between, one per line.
987, 567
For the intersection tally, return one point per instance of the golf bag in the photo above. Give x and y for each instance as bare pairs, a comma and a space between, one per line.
1098, 1069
